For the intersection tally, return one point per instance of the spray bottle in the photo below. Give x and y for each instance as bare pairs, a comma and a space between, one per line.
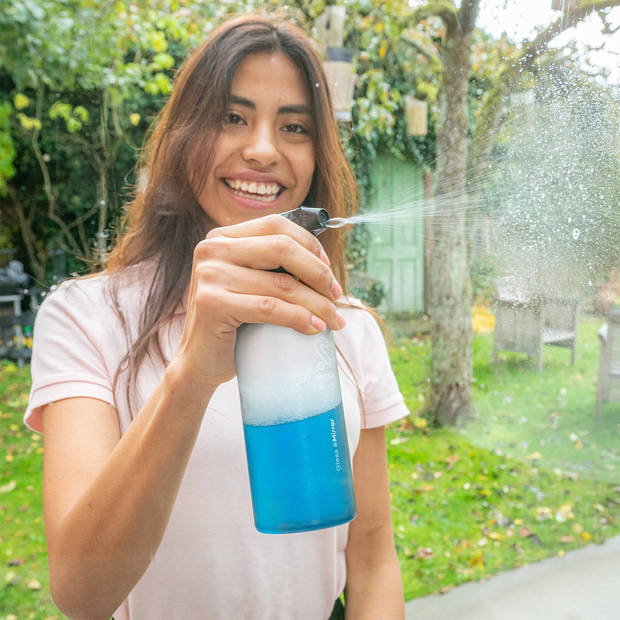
295, 435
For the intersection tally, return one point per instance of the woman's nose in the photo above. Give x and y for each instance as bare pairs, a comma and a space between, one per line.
261, 147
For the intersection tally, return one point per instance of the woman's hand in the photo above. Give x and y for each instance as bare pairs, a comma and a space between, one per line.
233, 283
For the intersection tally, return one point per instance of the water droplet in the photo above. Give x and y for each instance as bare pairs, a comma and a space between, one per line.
576, 233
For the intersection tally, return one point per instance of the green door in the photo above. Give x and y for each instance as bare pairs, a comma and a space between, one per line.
396, 253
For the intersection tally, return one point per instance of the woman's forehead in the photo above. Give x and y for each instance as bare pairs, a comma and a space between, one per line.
271, 76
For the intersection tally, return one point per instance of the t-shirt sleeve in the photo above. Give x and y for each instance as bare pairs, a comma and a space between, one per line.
67, 357
382, 401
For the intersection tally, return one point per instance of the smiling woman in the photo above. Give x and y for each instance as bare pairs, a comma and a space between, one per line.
146, 494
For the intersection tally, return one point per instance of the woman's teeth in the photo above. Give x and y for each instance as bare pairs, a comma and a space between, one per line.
264, 192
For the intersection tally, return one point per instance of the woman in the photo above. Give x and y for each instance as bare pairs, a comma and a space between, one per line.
146, 495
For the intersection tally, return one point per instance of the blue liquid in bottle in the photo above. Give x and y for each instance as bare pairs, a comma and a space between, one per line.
300, 473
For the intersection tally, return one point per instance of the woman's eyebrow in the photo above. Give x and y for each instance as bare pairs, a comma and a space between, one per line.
285, 109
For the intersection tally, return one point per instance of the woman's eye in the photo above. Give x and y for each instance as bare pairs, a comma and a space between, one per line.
295, 128
232, 119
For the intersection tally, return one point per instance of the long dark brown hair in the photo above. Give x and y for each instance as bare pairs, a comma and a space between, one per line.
164, 221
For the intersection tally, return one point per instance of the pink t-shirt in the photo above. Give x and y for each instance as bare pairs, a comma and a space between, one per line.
212, 562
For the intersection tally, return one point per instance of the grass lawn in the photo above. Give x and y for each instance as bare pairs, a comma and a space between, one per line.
530, 476
24, 584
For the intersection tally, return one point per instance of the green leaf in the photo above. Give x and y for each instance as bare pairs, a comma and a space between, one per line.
81, 112
163, 61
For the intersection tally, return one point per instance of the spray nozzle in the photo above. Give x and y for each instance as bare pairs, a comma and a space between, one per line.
311, 218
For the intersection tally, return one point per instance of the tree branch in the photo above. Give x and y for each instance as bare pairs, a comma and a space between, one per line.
444, 9
567, 21
421, 48
48, 186
301, 5
27, 235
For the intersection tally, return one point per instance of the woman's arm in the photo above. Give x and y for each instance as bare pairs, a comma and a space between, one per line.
107, 499
374, 585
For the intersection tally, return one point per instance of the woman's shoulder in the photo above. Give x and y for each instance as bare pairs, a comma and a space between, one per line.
77, 291
361, 332
92, 296
360, 316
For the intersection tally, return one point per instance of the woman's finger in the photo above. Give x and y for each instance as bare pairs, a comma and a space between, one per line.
273, 225
267, 253
241, 308
253, 282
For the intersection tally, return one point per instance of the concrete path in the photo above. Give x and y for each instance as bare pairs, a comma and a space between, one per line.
582, 585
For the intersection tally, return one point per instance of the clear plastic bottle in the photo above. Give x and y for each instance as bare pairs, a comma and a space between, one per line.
295, 434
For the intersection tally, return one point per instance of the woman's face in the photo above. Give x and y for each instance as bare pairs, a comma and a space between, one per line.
264, 156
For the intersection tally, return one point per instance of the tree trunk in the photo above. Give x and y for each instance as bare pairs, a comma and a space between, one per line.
450, 295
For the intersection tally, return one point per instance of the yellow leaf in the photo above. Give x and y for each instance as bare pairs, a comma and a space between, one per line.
20, 101
33, 584
578, 444
419, 422
477, 559
383, 48
543, 513
134, 119
27, 123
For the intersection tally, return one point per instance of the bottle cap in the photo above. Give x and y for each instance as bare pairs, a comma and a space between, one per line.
311, 218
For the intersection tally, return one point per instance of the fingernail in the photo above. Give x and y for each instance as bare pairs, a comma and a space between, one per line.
318, 324
324, 257
340, 319
336, 290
